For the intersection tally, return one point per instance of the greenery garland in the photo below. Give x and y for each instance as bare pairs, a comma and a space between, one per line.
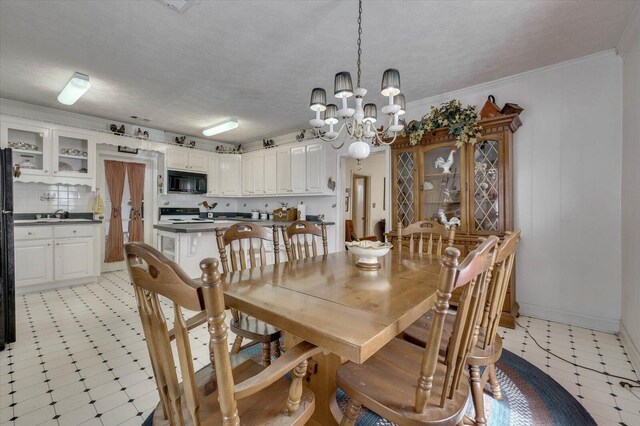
461, 121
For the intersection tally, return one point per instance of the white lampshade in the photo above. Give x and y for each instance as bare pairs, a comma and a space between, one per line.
359, 150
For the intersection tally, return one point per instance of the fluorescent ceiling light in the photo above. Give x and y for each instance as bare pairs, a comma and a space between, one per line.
75, 88
225, 126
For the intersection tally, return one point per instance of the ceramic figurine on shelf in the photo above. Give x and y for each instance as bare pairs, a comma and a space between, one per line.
445, 165
454, 221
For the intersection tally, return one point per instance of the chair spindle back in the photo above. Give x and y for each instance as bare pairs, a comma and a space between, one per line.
472, 274
245, 237
300, 239
429, 236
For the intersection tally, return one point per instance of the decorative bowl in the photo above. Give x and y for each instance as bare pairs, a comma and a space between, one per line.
368, 253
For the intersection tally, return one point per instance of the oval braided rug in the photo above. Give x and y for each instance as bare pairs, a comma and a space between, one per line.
531, 397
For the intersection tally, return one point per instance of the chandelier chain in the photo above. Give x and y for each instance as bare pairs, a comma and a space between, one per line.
359, 38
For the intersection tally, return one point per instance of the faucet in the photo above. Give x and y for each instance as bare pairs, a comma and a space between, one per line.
65, 215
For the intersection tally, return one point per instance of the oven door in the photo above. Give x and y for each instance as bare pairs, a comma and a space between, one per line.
185, 182
168, 244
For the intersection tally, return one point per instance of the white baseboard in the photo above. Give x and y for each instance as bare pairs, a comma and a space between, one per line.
632, 347
572, 318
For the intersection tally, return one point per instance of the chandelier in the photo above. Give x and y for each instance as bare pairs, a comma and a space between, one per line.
358, 122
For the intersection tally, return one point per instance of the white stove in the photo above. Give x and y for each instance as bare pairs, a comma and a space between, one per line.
179, 215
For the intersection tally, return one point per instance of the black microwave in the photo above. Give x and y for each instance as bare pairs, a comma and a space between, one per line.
186, 182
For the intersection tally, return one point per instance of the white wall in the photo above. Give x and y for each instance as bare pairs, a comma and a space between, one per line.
630, 51
567, 160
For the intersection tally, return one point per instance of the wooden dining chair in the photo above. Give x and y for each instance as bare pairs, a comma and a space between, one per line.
409, 385
429, 236
237, 388
489, 347
300, 239
249, 240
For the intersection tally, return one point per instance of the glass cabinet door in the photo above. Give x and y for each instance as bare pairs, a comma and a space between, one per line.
404, 188
441, 191
30, 145
486, 208
71, 154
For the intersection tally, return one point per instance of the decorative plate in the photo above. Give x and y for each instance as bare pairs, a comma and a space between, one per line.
28, 165
64, 167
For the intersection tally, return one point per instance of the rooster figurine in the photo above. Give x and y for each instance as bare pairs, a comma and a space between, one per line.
454, 221
445, 165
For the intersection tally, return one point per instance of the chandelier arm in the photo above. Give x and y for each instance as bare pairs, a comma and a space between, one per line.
330, 140
395, 135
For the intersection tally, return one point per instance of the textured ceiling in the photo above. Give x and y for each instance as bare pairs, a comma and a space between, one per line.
259, 60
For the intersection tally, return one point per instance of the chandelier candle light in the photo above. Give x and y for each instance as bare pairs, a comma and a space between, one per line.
359, 122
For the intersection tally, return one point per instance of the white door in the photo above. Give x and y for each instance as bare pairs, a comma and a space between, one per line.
247, 175
33, 262
198, 161
213, 173
177, 159
298, 169
230, 175
74, 258
315, 167
283, 174
257, 166
270, 170
359, 213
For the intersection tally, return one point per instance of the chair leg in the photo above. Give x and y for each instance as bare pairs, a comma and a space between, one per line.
477, 394
266, 354
295, 390
350, 416
276, 348
237, 343
495, 384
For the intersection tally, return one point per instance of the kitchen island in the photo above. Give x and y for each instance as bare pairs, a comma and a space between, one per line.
188, 243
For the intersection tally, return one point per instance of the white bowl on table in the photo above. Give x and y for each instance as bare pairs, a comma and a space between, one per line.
368, 253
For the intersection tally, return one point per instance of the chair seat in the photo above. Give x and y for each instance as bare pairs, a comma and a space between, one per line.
254, 329
418, 332
267, 407
386, 385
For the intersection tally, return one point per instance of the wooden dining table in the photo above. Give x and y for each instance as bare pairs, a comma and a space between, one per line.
328, 301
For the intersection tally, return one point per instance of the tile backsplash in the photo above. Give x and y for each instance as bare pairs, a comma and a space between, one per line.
42, 198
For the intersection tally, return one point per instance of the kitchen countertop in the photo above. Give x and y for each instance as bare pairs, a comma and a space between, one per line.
224, 224
61, 222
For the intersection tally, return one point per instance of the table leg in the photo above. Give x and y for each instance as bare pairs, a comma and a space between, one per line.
322, 383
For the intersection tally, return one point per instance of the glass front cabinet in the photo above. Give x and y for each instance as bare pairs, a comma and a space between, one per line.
473, 184
50, 155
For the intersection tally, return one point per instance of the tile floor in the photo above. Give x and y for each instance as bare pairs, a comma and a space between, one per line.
81, 359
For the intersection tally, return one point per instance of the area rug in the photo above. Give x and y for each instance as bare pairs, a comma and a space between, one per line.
531, 397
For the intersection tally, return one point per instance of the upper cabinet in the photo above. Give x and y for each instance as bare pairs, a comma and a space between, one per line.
298, 169
213, 175
283, 171
270, 171
50, 155
230, 175
314, 167
186, 159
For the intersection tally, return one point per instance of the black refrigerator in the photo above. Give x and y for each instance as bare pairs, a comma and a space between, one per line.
7, 267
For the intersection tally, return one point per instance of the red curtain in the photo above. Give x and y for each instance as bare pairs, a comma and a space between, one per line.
136, 189
115, 174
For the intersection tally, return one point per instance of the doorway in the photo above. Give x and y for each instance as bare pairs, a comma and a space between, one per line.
148, 203
360, 205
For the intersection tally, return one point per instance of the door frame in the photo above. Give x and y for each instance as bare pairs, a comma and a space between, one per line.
341, 186
150, 159
365, 202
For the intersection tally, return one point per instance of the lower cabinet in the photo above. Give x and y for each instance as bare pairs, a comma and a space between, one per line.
33, 262
73, 258
49, 257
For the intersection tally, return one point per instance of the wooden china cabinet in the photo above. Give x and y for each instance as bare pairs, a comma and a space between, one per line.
478, 190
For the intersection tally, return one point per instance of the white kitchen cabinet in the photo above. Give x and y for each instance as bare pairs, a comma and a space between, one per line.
51, 155
283, 172
186, 159
247, 175
213, 175
270, 171
230, 174
33, 262
314, 167
54, 256
298, 169
258, 168
73, 258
